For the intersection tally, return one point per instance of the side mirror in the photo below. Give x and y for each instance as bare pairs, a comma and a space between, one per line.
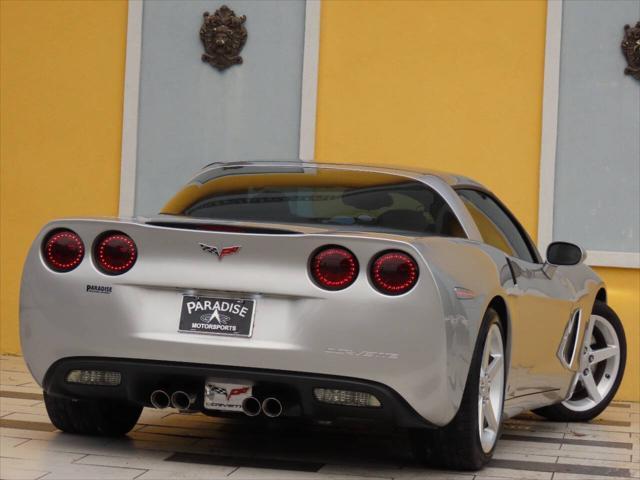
565, 253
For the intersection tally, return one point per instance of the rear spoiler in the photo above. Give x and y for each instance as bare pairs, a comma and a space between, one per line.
215, 227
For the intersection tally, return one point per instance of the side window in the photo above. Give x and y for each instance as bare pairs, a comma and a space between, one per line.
496, 226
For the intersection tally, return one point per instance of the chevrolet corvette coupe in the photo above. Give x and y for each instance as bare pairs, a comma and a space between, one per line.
332, 293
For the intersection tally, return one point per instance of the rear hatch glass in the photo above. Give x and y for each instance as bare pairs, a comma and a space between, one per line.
319, 197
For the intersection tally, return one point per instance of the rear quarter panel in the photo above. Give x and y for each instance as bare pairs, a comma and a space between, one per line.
467, 264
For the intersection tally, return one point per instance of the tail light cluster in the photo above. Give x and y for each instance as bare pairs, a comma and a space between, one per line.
63, 250
334, 268
114, 253
394, 273
391, 272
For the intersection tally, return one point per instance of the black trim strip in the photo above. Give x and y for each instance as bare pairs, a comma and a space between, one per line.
568, 441
231, 461
527, 417
610, 423
561, 468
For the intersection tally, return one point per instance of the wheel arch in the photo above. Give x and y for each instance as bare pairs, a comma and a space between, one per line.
499, 305
602, 295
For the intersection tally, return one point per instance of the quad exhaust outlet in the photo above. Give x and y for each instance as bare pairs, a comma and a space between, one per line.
251, 406
272, 407
181, 400
160, 399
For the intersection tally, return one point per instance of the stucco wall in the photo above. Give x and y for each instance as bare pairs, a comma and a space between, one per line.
62, 89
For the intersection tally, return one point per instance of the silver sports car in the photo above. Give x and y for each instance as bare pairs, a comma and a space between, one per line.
332, 293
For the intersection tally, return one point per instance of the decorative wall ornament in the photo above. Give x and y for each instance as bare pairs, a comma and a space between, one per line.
631, 49
223, 35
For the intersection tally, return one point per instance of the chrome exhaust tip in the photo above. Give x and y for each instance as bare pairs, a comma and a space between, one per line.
251, 406
182, 400
160, 399
272, 407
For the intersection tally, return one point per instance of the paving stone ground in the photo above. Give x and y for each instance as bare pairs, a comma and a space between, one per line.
168, 445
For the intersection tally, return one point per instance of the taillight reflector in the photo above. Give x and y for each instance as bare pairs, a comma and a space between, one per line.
394, 273
334, 268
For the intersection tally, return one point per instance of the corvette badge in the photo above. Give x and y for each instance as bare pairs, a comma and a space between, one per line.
219, 252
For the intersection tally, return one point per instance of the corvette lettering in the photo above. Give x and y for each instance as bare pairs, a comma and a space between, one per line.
362, 353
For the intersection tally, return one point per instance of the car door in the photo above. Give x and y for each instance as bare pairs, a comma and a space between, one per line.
540, 302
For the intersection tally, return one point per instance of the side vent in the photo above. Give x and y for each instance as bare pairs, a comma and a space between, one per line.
567, 350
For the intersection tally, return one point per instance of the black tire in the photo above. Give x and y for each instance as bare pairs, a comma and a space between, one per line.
560, 413
457, 445
92, 417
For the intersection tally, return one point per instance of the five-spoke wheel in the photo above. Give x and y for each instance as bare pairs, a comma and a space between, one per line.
599, 365
602, 358
491, 389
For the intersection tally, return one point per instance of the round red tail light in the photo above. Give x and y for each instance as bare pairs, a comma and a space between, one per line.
115, 253
334, 268
394, 273
63, 250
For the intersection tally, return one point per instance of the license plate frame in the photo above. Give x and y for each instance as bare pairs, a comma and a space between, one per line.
217, 315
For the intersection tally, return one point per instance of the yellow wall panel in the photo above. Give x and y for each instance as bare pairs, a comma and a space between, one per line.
449, 85
62, 79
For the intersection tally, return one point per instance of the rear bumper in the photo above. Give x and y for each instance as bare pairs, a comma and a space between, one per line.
418, 344
141, 377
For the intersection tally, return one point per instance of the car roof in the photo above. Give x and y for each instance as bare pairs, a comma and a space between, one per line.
452, 179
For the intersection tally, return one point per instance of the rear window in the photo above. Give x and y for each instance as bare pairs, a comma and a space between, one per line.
321, 197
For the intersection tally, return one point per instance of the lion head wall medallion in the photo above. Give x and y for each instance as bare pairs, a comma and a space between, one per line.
631, 49
223, 35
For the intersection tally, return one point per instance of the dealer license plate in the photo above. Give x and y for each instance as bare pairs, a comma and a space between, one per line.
217, 316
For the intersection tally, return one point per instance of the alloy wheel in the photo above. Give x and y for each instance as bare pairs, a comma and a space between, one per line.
599, 365
491, 389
